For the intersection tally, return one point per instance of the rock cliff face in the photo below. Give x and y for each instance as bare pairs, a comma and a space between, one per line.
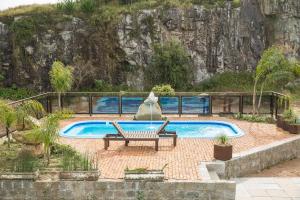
217, 39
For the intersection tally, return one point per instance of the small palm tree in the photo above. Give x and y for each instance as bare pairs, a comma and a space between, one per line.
61, 79
7, 118
29, 108
48, 132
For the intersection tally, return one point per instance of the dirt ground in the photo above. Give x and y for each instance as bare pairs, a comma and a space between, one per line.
289, 168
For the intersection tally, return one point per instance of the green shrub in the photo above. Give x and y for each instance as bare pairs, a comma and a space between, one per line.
25, 163
87, 6
163, 90
67, 6
76, 162
289, 116
222, 139
227, 81
236, 3
170, 64
15, 93
255, 118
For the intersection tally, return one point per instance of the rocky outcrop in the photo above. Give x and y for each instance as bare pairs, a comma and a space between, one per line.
217, 39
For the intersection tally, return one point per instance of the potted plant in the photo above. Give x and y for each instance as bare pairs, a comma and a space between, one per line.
223, 150
144, 174
288, 122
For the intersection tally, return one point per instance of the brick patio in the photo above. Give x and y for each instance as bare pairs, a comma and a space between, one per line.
183, 160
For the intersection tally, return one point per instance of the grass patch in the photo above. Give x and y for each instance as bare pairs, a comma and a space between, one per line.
227, 81
13, 159
255, 118
16, 93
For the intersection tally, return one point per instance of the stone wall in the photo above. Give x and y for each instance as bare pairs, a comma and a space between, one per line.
261, 158
26, 189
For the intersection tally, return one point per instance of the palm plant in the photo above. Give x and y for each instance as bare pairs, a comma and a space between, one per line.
7, 118
29, 108
48, 131
273, 68
61, 79
223, 139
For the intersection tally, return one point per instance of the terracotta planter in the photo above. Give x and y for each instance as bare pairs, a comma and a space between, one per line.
222, 152
148, 175
79, 175
292, 128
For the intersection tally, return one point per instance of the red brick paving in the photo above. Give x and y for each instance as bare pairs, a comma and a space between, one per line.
183, 160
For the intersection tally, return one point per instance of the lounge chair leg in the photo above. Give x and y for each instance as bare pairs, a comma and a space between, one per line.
126, 143
175, 140
106, 144
156, 145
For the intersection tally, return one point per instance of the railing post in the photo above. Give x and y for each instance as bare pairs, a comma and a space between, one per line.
47, 103
90, 104
241, 104
120, 104
276, 106
180, 105
272, 104
210, 105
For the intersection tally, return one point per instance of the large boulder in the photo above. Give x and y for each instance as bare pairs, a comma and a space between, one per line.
149, 110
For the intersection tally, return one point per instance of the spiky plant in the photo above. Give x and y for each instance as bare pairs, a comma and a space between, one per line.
61, 79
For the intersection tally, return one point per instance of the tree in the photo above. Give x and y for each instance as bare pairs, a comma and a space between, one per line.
170, 64
61, 79
7, 118
31, 108
48, 132
273, 68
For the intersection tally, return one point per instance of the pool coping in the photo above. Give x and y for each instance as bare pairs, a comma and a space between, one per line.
234, 127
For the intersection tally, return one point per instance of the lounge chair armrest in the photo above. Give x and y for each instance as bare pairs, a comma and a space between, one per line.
169, 132
111, 135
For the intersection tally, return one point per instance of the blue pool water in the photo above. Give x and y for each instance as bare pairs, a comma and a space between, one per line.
184, 129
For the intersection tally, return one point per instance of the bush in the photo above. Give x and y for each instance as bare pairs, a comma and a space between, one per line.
170, 64
163, 90
15, 93
67, 6
223, 139
87, 6
227, 81
254, 118
289, 116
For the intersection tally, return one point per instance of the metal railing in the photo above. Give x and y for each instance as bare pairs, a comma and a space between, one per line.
181, 103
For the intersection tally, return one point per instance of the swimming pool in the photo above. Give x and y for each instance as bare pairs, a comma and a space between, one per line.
184, 129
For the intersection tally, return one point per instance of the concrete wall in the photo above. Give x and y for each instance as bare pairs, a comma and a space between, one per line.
121, 190
261, 158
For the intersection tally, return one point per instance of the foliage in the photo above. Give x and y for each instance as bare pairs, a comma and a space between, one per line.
254, 118
61, 78
48, 132
76, 162
25, 163
67, 6
23, 30
223, 139
227, 81
272, 68
135, 170
289, 116
170, 64
7, 117
33, 108
236, 3
15, 93
163, 90
87, 6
